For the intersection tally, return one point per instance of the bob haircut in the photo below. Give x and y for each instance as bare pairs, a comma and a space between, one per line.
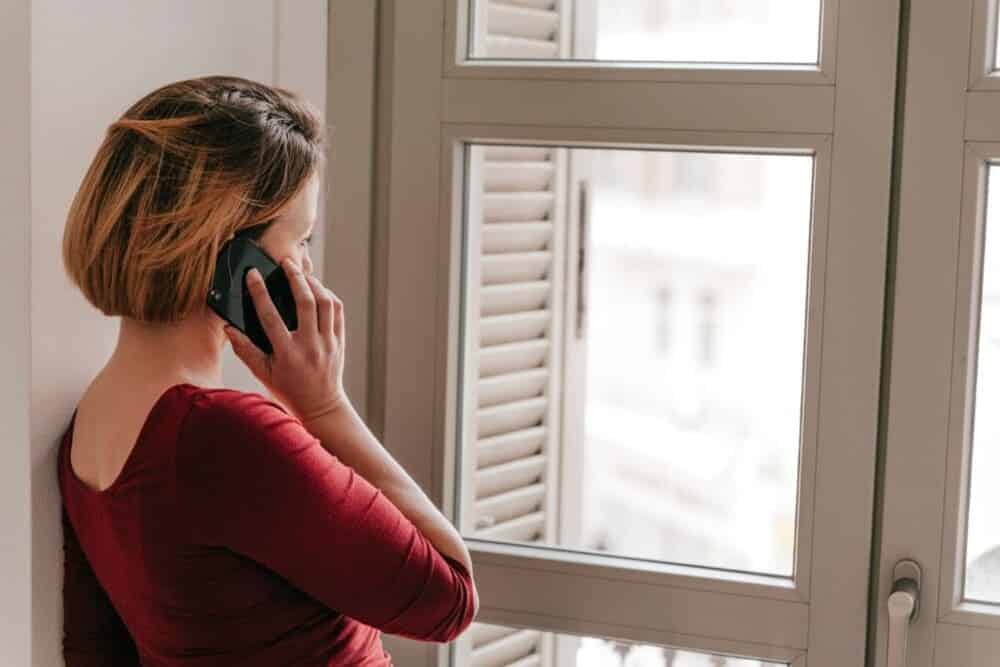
182, 171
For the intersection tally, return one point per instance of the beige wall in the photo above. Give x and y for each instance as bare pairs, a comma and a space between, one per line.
88, 62
15, 344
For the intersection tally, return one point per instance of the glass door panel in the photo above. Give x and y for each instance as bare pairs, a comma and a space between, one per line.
691, 324
762, 32
982, 549
940, 497
489, 645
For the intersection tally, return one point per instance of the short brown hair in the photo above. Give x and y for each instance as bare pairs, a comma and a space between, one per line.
183, 170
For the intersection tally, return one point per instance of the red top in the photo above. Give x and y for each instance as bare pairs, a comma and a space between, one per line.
232, 537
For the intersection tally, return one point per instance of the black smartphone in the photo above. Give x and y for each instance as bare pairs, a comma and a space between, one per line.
230, 298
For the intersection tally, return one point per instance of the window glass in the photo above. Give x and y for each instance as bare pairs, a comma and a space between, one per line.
996, 48
679, 440
501, 645
779, 32
983, 547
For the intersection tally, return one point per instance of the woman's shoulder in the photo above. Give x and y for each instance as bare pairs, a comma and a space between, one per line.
223, 419
224, 401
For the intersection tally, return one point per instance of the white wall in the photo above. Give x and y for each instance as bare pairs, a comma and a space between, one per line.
89, 61
15, 343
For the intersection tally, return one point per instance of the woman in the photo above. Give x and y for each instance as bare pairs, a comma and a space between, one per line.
208, 526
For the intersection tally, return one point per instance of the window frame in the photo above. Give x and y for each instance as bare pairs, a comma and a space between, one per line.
950, 134
952, 607
421, 97
458, 65
983, 72
786, 615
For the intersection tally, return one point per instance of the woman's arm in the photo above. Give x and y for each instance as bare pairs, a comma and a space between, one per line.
345, 435
258, 483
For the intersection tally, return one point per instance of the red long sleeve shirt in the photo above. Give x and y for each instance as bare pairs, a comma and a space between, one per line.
232, 537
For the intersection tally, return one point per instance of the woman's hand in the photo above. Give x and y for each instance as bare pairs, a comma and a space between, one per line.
305, 370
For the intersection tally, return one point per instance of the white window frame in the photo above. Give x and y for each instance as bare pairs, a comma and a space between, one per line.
428, 103
457, 43
782, 615
972, 225
951, 132
983, 74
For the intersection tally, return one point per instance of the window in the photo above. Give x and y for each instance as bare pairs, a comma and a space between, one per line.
657, 457
497, 645
702, 31
982, 551
708, 325
530, 212
663, 317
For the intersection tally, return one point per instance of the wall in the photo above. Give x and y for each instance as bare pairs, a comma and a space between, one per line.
89, 62
15, 342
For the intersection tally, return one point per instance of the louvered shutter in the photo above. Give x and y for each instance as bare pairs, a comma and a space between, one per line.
511, 367
515, 230
532, 29
513, 318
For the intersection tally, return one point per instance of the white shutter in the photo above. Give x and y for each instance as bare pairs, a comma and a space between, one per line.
521, 29
497, 645
511, 368
515, 230
513, 318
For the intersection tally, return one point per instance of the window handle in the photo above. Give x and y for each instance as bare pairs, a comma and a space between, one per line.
904, 605
583, 223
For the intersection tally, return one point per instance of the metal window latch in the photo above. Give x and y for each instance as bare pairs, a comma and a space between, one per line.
904, 606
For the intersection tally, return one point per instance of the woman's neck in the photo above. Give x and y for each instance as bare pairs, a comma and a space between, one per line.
186, 351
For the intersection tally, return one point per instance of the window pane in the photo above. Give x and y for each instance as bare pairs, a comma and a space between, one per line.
983, 546
782, 32
996, 52
679, 439
501, 646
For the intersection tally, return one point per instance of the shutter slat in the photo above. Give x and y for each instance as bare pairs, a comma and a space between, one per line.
533, 660
516, 646
480, 634
513, 356
498, 419
520, 48
510, 446
512, 387
519, 21
517, 176
517, 206
499, 237
512, 267
507, 506
509, 476
498, 329
513, 298
535, 4
528, 528
503, 153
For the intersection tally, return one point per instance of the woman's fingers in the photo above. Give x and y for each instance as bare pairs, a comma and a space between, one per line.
338, 321
324, 304
268, 315
327, 307
305, 304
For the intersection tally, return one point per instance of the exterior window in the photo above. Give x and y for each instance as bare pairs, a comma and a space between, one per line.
688, 31
708, 325
664, 320
620, 457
